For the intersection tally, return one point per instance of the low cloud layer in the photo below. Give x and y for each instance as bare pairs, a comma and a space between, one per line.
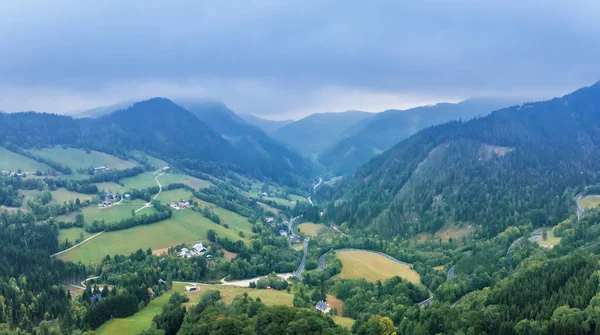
280, 59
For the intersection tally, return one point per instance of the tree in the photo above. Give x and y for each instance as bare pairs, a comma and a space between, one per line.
211, 234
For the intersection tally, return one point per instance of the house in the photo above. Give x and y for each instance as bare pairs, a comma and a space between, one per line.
295, 239
209, 257
165, 168
162, 282
127, 196
183, 204
99, 169
282, 232
199, 249
191, 288
106, 203
4, 173
322, 306
264, 194
150, 291
269, 220
111, 196
185, 253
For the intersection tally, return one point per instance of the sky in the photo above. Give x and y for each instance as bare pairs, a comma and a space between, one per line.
286, 59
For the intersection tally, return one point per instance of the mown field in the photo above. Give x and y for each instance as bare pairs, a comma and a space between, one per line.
185, 226
10, 161
78, 158
167, 197
311, 229
62, 195
143, 319
72, 234
115, 212
590, 201
156, 162
146, 180
373, 267
113, 187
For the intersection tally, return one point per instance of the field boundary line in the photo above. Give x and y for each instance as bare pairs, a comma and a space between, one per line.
76, 245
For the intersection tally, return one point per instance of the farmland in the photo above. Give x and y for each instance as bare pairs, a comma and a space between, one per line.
184, 226
115, 212
78, 158
167, 197
113, 187
146, 180
311, 229
10, 161
72, 234
62, 195
373, 267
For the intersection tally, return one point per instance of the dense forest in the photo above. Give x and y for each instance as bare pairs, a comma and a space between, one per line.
518, 165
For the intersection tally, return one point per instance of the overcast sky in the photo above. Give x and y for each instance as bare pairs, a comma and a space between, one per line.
283, 59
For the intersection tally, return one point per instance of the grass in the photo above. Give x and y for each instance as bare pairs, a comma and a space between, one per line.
138, 322
156, 162
297, 198
142, 320
11, 161
78, 158
551, 240
235, 221
72, 234
590, 201
112, 187
343, 321
184, 226
115, 212
61, 195
373, 267
167, 197
146, 180
310, 228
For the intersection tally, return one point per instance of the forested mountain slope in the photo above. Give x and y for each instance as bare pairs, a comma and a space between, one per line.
249, 139
518, 165
268, 126
316, 133
158, 127
390, 127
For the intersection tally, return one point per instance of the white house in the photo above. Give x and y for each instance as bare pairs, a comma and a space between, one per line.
191, 288
199, 249
185, 253
322, 306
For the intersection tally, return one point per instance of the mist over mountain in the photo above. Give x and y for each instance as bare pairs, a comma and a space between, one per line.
268, 126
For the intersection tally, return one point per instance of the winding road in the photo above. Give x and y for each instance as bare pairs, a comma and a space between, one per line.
298, 272
148, 204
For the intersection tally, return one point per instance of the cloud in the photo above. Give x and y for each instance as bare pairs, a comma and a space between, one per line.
280, 58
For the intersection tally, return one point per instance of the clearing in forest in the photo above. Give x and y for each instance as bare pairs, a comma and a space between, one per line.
590, 201
311, 229
373, 267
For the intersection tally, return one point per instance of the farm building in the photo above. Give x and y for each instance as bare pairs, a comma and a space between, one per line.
199, 249
282, 232
322, 306
99, 169
185, 253
191, 288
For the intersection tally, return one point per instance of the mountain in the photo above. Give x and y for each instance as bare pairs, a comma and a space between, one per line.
249, 139
97, 112
390, 127
317, 132
158, 127
268, 126
519, 165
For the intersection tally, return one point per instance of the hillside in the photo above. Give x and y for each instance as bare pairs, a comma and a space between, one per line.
318, 132
249, 139
390, 127
157, 127
268, 126
518, 165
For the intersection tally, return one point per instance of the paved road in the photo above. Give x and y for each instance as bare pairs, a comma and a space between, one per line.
322, 262
298, 272
579, 208
290, 225
425, 302
246, 282
310, 201
450, 273
318, 184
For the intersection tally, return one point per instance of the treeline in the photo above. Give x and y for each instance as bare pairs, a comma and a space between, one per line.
55, 165
114, 175
271, 281
30, 280
248, 316
163, 213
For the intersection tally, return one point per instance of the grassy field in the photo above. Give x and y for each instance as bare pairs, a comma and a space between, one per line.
61, 195
156, 162
115, 212
373, 267
143, 319
343, 321
297, 198
184, 226
146, 180
167, 197
112, 187
590, 201
10, 161
72, 234
235, 221
78, 158
311, 229
551, 240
